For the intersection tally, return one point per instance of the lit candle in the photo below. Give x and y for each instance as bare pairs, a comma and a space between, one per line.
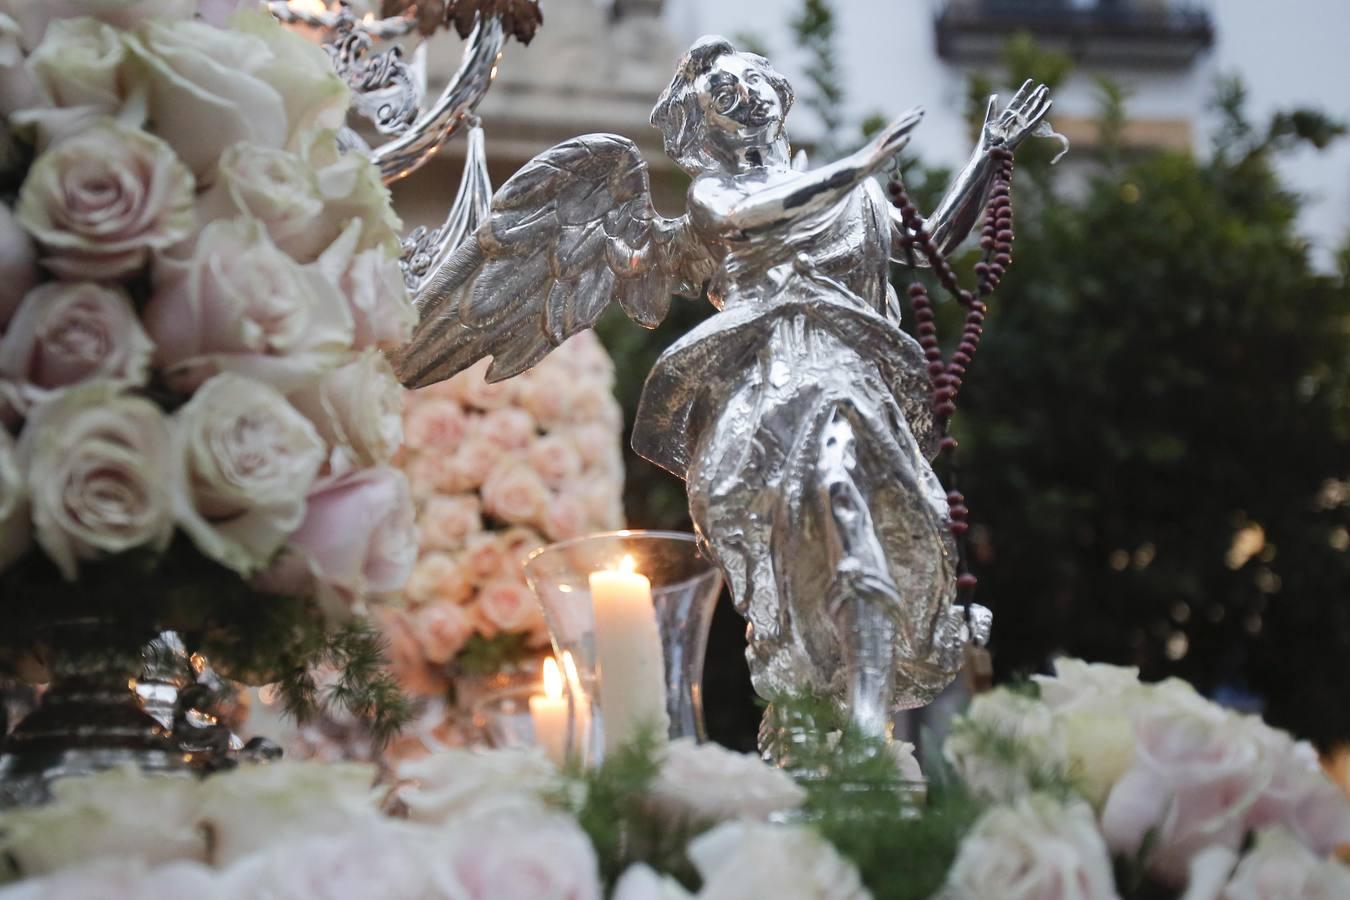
628, 654
548, 712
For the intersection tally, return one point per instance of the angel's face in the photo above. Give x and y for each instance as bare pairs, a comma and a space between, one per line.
739, 102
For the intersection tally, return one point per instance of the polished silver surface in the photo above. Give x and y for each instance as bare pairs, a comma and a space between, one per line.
425, 249
799, 415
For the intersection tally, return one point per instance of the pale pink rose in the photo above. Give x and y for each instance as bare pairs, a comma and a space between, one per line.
604, 502
447, 522
276, 187
511, 855
593, 401
96, 461
471, 389
705, 783
473, 462
1299, 797
442, 629
509, 429
81, 63
431, 474
556, 460
372, 283
514, 493
65, 334
1193, 783
597, 445
99, 202
430, 423
218, 12
507, 605
545, 397
1279, 867
358, 536
240, 304
520, 542
567, 517
18, 264
438, 578
16, 533
485, 558
403, 653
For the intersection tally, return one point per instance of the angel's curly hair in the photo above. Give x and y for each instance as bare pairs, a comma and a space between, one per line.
677, 115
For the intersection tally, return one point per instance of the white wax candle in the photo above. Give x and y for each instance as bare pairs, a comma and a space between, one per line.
628, 654
548, 712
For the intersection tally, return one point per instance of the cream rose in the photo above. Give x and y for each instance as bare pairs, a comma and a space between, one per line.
354, 192
1281, 868
210, 88
1004, 714
706, 783
82, 63
245, 460
358, 408
99, 202
753, 861
96, 460
276, 187
240, 304
1036, 849
447, 522
65, 334
15, 535
438, 578
36, 16
358, 537
458, 783
372, 282
514, 493
18, 264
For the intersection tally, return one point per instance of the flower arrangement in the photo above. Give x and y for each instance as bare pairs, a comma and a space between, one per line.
499, 470
195, 288
1038, 798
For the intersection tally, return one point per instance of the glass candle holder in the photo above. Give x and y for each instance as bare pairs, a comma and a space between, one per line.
639, 604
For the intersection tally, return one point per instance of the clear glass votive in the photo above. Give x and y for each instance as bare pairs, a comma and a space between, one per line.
655, 647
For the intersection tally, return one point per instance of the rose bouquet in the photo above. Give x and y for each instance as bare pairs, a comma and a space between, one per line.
498, 470
195, 287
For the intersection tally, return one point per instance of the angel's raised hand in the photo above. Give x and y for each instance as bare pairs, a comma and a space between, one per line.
1027, 109
893, 138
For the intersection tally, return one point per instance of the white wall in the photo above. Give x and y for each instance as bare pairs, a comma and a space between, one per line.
1291, 53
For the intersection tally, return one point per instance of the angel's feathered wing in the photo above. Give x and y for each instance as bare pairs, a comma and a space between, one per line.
571, 231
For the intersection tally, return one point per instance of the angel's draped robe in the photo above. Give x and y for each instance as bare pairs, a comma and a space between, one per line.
741, 408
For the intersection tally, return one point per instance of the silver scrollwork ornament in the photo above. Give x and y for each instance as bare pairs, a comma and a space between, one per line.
799, 415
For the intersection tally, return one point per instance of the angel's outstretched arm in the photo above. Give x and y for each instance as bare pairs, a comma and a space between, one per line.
717, 206
960, 208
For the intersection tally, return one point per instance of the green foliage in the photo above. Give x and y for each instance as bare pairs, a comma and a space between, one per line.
484, 655
814, 28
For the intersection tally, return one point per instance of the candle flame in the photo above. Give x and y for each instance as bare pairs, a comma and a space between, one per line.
628, 564
573, 677
553, 682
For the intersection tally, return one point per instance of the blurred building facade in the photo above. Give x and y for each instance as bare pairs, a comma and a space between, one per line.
1168, 55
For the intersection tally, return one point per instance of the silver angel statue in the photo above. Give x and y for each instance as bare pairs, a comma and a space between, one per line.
798, 415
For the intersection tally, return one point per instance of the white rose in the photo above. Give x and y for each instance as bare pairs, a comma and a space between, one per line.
82, 63
380, 858
15, 534
1036, 849
99, 202
96, 461
753, 861
1077, 684
245, 461
212, 87
36, 16
708, 783
456, 783
521, 855
357, 407
277, 188
255, 808
640, 882
122, 877
354, 192
65, 334
240, 304
18, 264
1004, 716
1279, 867
114, 814
372, 282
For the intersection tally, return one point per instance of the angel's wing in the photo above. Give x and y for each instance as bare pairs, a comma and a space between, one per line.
568, 233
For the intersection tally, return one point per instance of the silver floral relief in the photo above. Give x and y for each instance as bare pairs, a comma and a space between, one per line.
798, 415
384, 89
